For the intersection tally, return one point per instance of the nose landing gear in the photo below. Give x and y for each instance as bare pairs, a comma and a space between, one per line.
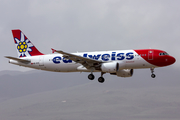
152, 71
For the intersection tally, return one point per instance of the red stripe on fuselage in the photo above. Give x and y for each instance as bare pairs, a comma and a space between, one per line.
152, 56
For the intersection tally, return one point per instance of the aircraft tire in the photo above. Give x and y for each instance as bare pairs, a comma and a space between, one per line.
101, 79
91, 77
153, 75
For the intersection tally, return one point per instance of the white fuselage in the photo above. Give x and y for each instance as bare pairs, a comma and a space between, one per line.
129, 59
116, 62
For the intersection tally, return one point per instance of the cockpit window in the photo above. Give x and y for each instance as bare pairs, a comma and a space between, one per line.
162, 54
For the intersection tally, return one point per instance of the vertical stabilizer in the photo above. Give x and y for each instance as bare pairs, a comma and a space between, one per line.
23, 45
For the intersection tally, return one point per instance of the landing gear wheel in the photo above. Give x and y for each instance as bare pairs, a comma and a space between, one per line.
101, 79
152, 71
91, 76
153, 75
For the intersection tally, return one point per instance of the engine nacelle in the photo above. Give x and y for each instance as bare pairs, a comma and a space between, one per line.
125, 73
111, 67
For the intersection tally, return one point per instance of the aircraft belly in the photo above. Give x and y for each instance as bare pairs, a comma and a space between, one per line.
62, 67
137, 63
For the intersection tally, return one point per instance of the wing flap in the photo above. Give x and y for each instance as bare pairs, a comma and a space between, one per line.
87, 62
76, 57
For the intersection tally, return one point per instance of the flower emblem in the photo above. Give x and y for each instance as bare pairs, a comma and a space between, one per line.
24, 46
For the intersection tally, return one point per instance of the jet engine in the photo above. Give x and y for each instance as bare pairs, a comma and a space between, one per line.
116, 68
125, 73
110, 67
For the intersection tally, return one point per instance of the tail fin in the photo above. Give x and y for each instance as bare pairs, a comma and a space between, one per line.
23, 45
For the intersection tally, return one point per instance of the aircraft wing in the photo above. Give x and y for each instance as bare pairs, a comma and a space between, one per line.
86, 62
18, 59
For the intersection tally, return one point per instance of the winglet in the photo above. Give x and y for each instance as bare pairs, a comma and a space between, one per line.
53, 50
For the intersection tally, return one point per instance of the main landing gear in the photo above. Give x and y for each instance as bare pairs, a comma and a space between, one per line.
91, 76
152, 71
100, 79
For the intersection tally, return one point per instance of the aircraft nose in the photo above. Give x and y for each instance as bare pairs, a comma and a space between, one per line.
171, 60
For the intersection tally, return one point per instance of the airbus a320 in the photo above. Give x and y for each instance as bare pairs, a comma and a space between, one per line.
116, 62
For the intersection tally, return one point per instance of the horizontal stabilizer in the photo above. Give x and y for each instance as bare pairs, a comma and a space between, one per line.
18, 59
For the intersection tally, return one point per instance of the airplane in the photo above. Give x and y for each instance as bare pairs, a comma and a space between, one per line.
116, 62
